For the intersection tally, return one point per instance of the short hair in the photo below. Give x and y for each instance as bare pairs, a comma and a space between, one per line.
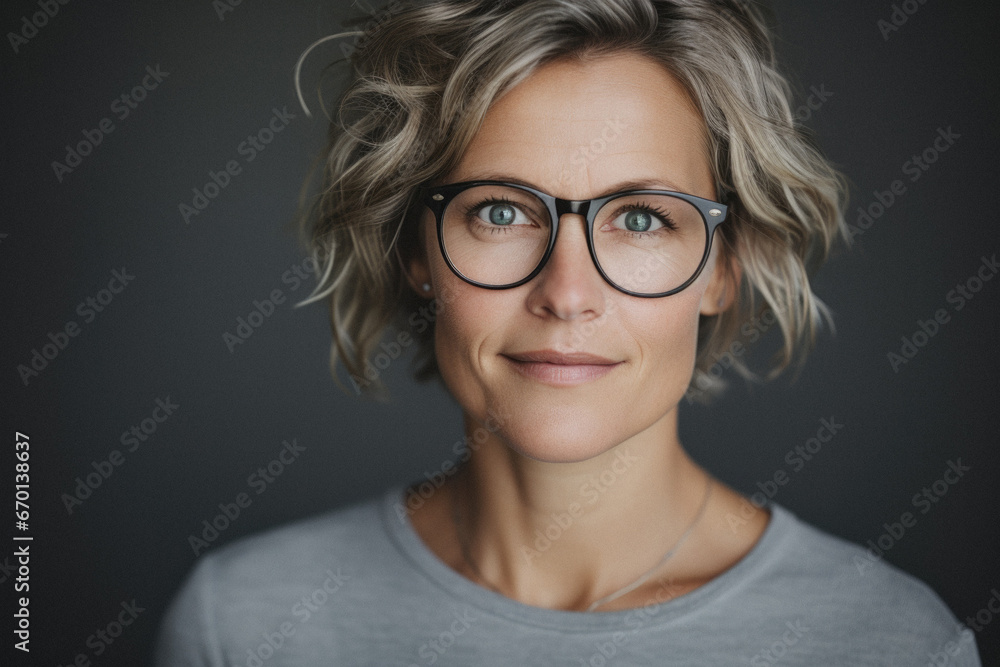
423, 77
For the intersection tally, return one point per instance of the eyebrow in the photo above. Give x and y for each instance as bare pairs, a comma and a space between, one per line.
622, 186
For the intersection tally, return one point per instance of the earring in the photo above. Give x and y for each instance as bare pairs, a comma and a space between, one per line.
427, 287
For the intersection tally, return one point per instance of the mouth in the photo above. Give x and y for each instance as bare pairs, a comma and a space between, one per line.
561, 369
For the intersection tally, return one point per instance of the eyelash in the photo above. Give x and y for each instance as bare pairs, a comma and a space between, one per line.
660, 214
471, 211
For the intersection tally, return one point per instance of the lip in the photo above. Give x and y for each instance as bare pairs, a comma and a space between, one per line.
561, 369
561, 358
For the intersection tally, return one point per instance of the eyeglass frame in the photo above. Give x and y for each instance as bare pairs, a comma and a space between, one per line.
437, 199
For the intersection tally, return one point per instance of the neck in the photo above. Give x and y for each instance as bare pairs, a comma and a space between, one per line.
562, 535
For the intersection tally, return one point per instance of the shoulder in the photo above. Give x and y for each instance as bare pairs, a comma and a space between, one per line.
854, 596
331, 537
266, 581
850, 571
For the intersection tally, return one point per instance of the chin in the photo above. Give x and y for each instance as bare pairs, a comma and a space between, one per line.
548, 451
555, 438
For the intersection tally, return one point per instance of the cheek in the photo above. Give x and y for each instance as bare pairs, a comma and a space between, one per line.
666, 335
466, 317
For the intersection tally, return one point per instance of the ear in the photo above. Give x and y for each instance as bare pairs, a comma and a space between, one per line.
416, 267
724, 284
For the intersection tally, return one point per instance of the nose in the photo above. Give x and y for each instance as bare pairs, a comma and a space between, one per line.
569, 285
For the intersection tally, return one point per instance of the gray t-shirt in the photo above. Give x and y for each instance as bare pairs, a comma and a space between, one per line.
357, 586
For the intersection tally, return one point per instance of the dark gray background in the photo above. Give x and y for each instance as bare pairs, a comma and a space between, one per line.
162, 336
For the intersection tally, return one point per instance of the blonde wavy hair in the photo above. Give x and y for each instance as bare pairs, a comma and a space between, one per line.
423, 75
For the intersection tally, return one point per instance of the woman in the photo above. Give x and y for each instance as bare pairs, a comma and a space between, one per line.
571, 207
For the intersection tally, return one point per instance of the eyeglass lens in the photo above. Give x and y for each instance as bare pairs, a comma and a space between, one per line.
497, 235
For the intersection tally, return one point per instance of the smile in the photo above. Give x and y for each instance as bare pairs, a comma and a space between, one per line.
561, 369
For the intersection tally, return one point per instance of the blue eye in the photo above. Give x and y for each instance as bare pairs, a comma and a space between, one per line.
502, 214
638, 221
499, 213
641, 219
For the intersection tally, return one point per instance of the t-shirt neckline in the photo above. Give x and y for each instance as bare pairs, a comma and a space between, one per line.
404, 536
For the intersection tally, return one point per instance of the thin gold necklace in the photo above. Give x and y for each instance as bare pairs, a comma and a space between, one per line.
463, 540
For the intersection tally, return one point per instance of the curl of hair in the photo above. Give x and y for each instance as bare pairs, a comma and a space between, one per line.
425, 74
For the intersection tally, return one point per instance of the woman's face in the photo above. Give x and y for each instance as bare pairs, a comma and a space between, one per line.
576, 130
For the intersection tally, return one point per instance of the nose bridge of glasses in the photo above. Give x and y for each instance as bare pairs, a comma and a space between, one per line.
576, 208
573, 207
564, 206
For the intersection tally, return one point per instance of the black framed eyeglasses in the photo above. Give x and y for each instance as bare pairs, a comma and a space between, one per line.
647, 243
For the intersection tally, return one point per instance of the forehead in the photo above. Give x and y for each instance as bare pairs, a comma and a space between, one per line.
576, 127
